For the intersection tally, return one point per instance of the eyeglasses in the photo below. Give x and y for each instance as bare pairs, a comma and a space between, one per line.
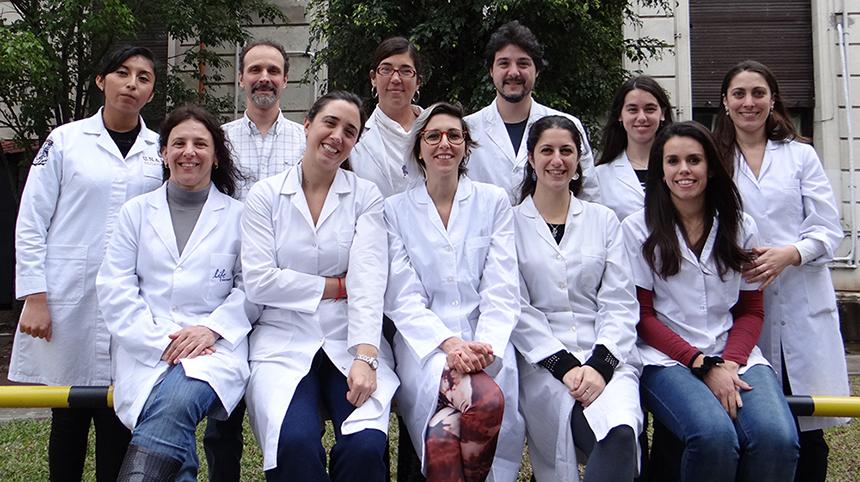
405, 72
433, 137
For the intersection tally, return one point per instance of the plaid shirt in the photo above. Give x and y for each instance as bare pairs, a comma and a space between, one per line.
259, 157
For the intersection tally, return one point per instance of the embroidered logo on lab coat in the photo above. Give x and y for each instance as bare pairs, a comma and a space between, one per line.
221, 275
151, 161
42, 156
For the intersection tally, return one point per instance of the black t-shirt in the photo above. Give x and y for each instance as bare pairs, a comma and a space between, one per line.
124, 140
642, 175
515, 132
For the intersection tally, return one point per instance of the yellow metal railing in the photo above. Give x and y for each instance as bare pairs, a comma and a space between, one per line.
29, 396
821, 406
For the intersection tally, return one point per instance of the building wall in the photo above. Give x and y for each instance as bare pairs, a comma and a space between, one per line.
672, 27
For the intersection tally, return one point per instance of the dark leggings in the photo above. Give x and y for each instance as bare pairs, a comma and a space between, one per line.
67, 446
223, 442
462, 435
814, 451
611, 459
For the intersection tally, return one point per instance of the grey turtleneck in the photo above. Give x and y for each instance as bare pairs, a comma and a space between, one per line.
185, 207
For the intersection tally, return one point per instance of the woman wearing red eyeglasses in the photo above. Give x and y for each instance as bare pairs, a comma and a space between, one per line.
454, 298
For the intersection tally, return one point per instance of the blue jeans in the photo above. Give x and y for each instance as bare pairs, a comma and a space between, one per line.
760, 445
168, 421
358, 457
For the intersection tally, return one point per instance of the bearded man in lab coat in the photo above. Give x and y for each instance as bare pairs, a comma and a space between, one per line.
515, 59
264, 143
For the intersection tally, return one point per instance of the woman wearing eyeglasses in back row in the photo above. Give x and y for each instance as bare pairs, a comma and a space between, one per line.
453, 296
382, 156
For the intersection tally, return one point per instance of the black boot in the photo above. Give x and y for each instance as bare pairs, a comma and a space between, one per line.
144, 465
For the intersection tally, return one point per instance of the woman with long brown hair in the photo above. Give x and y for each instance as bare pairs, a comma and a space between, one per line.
638, 112
703, 377
784, 188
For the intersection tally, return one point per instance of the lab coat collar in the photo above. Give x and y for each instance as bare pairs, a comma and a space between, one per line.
464, 190
498, 134
704, 262
768, 158
529, 210
207, 222
377, 127
292, 187
743, 168
163, 226
421, 196
624, 172
95, 126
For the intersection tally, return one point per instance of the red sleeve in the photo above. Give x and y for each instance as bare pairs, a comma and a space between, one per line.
748, 313
655, 333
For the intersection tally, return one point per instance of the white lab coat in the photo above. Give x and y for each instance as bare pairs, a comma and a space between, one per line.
792, 203
285, 258
575, 295
495, 162
75, 189
620, 189
460, 281
694, 303
383, 155
148, 291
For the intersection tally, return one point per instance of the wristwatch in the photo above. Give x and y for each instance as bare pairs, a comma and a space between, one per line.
370, 360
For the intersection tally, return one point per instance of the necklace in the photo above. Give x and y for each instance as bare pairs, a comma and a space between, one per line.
555, 230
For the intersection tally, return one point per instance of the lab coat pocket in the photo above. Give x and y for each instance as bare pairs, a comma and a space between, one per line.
268, 343
153, 173
153, 169
66, 273
789, 200
220, 276
820, 298
344, 244
590, 272
476, 254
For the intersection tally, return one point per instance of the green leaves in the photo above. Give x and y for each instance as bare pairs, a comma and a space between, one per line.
52, 50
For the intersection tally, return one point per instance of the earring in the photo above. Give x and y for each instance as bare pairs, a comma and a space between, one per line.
216, 166
416, 96
373, 92
575, 176
534, 176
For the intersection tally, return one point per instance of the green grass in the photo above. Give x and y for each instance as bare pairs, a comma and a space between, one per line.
844, 444
24, 452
